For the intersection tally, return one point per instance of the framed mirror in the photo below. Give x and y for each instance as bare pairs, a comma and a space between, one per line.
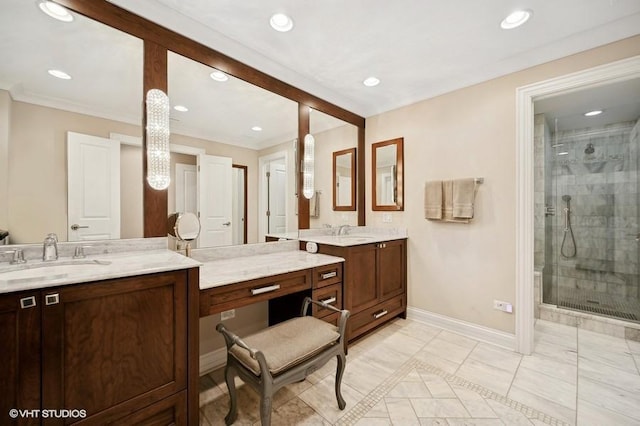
388, 175
344, 180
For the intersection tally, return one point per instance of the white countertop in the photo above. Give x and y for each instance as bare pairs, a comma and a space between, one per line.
354, 235
37, 274
219, 272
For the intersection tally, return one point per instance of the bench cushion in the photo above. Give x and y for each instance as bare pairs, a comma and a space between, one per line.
287, 344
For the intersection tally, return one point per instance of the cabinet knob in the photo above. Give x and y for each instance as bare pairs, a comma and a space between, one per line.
28, 302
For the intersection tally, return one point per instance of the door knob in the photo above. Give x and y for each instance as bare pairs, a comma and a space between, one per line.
226, 224
75, 227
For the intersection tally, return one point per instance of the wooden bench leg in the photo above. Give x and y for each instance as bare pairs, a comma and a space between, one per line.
229, 377
342, 361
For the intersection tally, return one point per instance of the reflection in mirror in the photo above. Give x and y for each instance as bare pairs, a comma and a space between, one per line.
387, 175
344, 180
185, 227
38, 110
217, 123
331, 135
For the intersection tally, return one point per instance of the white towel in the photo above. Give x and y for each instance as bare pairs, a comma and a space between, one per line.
464, 194
433, 200
314, 205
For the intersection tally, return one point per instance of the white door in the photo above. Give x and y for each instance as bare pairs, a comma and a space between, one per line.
277, 218
186, 188
214, 200
93, 188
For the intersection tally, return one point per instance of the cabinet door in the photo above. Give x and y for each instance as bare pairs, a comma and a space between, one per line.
20, 355
391, 268
114, 346
361, 289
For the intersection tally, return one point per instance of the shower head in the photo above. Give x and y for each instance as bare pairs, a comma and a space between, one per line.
566, 198
589, 149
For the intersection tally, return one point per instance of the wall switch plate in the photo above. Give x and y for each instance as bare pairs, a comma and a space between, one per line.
387, 218
503, 306
225, 315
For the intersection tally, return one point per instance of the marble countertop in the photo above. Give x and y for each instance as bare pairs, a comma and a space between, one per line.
355, 235
36, 274
219, 272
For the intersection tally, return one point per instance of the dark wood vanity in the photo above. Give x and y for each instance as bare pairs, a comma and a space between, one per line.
374, 283
123, 350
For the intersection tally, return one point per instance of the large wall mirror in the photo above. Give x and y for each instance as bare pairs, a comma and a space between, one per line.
218, 121
101, 94
387, 160
331, 135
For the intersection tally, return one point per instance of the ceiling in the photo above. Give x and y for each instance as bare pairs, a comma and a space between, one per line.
417, 48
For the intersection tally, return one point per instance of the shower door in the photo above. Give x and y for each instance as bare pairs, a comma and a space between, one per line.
595, 231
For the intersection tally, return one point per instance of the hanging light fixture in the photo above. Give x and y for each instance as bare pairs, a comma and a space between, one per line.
158, 155
307, 166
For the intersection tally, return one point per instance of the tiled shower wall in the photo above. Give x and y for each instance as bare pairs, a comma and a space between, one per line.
603, 186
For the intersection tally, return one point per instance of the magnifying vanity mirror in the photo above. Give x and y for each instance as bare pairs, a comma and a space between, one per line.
185, 227
388, 175
344, 180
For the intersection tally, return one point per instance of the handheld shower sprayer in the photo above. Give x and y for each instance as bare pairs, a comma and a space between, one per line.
570, 251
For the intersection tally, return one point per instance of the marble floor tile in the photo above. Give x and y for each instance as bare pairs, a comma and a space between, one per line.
488, 376
410, 373
439, 407
322, 398
401, 411
593, 415
610, 398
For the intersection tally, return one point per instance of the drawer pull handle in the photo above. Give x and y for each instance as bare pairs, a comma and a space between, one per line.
380, 314
52, 299
256, 291
329, 275
28, 302
328, 300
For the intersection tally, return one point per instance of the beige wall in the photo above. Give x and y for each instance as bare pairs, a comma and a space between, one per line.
5, 114
131, 209
458, 270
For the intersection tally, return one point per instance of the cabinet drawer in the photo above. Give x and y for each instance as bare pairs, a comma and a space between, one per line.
330, 294
370, 318
222, 298
327, 275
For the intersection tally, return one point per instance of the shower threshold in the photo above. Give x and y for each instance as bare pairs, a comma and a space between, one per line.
600, 304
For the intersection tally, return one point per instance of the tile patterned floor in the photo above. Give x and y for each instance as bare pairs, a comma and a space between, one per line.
409, 373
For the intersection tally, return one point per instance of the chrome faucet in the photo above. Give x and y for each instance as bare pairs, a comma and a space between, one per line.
50, 248
343, 230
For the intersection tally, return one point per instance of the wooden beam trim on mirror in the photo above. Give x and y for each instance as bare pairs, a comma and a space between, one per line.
123, 20
336, 189
360, 191
303, 129
399, 189
155, 202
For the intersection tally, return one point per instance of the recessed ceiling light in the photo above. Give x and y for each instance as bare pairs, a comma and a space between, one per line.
371, 81
60, 74
281, 22
256, 128
593, 113
515, 19
55, 11
181, 108
219, 76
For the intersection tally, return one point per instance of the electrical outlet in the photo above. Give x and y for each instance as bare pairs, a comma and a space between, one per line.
387, 218
503, 306
225, 315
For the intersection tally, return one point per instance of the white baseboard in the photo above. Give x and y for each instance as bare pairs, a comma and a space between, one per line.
474, 331
213, 360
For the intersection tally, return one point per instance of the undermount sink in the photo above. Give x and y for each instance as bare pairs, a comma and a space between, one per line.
30, 272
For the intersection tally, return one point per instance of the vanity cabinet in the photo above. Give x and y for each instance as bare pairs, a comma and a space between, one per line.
117, 349
374, 283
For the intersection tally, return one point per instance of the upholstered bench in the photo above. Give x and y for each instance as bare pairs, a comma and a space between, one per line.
282, 354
